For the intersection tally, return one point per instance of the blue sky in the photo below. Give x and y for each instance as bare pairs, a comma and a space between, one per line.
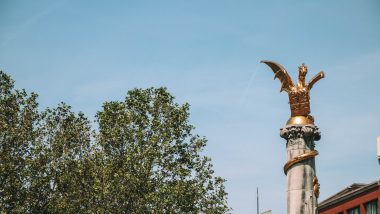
207, 53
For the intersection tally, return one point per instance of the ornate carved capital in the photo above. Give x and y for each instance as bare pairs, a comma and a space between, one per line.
307, 132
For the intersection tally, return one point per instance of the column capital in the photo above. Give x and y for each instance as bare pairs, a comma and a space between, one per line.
307, 132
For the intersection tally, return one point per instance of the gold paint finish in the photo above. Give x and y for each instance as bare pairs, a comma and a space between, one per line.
316, 187
300, 120
299, 158
299, 98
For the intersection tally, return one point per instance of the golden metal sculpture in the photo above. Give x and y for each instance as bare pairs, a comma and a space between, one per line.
316, 187
299, 98
298, 159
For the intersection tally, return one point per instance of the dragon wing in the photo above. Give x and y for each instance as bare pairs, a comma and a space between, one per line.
281, 74
315, 79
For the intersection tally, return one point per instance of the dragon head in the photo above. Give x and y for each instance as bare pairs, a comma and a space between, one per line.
302, 71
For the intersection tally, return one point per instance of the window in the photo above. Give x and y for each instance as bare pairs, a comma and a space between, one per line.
355, 210
371, 207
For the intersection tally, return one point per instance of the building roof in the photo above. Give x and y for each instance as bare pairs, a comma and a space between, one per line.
348, 193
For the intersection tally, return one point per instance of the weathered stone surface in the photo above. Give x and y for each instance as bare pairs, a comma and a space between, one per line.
300, 195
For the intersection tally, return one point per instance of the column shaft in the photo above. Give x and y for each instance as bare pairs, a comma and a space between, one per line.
300, 168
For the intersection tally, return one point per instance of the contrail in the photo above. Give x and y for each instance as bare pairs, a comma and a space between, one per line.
245, 93
30, 22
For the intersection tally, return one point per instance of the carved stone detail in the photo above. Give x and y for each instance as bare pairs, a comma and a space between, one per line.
307, 132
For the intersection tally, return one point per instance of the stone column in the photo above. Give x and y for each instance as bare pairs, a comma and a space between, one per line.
303, 187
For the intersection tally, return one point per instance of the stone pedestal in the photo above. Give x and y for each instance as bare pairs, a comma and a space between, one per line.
303, 187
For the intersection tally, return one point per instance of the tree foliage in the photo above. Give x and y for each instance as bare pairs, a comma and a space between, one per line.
142, 158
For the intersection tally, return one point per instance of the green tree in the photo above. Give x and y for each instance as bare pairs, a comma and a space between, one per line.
153, 160
59, 176
18, 121
142, 158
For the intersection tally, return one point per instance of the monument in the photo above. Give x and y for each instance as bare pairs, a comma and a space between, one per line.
300, 134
